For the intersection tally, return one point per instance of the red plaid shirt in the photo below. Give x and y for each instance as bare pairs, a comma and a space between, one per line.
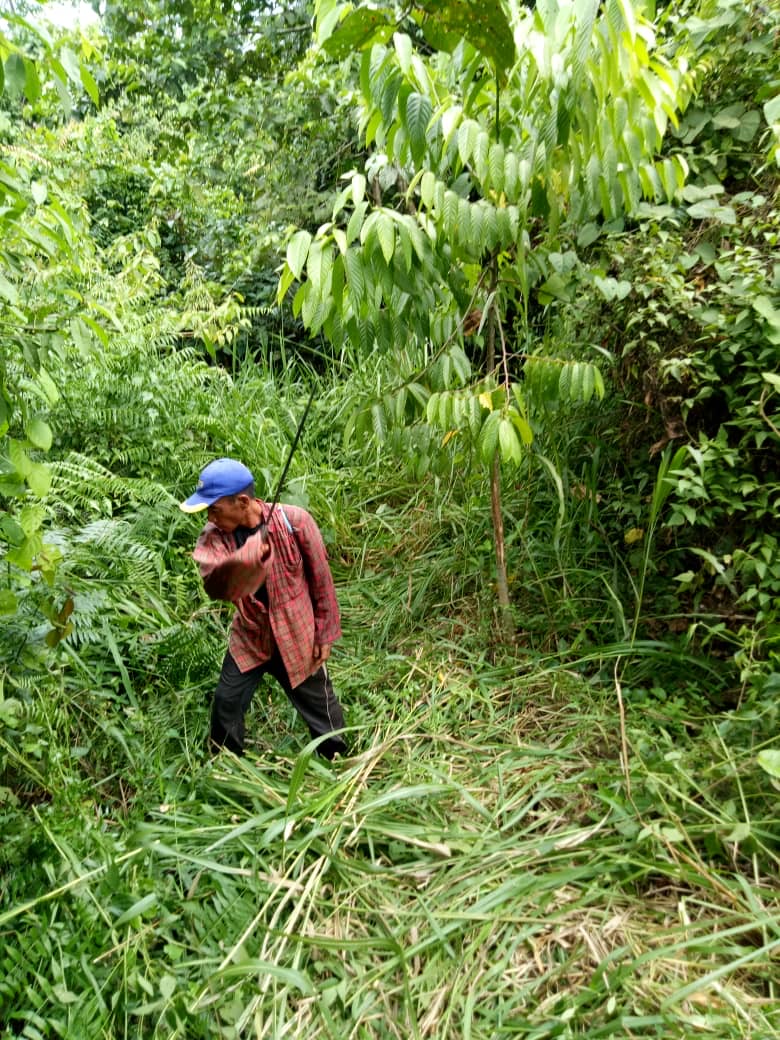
303, 609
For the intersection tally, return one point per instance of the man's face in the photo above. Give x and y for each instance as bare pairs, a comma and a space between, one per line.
229, 512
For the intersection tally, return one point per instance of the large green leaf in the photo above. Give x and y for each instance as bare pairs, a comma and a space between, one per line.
769, 760
39, 434
385, 230
418, 115
32, 85
89, 84
772, 110
361, 28
15, 74
481, 22
297, 251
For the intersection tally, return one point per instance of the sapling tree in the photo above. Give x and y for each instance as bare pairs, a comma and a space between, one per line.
495, 134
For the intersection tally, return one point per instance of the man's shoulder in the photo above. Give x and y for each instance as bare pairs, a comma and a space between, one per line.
296, 515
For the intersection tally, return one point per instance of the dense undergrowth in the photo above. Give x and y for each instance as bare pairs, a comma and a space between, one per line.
573, 833
482, 865
520, 842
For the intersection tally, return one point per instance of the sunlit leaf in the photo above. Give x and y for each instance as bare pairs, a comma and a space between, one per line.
39, 433
15, 74
297, 251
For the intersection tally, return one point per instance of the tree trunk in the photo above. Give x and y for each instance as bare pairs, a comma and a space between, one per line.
506, 621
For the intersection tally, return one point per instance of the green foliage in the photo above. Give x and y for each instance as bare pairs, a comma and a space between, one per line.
488, 175
585, 876
43, 254
442, 25
473, 190
537, 830
163, 48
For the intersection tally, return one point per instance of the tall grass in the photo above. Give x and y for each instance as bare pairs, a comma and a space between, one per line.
498, 856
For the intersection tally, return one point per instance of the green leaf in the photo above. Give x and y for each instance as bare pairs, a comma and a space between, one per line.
39, 433
39, 479
319, 265
484, 25
588, 235
71, 64
558, 286
418, 115
385, 230
167, 986
522, 427
403, 48
496, 167
508, 441
769, 761
138, 908
480, 156
360, 29
8, 602
8, 291
588, 382
89, 84
772, 110
285, 281
564, 382
358, 185
468, 131
81, 336
61, 86
427, 185
612, 289
488, 437
39, 192
379, 421
15, 74
709, 209
32, 85
297, 251
355, 222
764, 306
256, 969
356, 281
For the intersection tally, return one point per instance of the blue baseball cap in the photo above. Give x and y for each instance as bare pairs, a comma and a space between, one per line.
221, 477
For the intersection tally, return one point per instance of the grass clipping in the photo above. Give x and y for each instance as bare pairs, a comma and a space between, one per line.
477, 869
481, 880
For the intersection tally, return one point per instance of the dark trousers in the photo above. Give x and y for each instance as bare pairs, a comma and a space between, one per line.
314, 700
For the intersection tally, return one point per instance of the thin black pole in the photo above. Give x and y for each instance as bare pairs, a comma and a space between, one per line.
293, 446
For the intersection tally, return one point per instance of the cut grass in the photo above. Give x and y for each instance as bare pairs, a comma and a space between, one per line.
474, 870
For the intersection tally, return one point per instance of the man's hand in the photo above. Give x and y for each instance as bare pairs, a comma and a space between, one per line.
321, 653
265, 551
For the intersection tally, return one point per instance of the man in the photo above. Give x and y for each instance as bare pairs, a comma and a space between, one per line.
286, 616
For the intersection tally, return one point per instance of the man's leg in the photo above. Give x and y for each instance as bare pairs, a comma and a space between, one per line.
316, 703
232, 697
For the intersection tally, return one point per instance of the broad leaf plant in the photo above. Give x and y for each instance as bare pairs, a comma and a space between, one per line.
502, 130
